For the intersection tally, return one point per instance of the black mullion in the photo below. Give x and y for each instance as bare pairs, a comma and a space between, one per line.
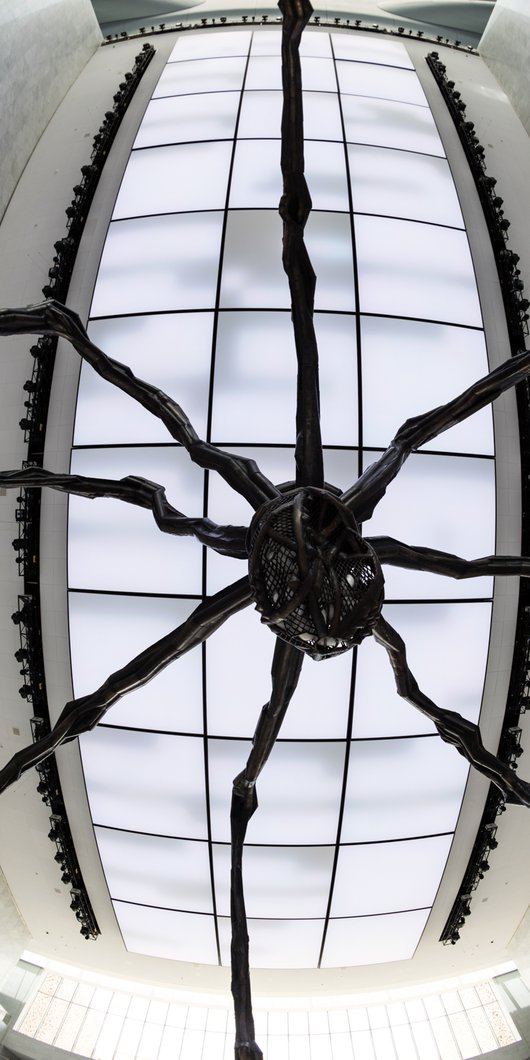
278, 846
403, 151
374, 62
384, 912
285, 740
234, 444
273, 919
133, 592
182, 143
211, 92
149, 312
355, 274
205, 504
206, 59
270, 209
387, 99
436, 452
164, 908
446, 599
411, 221
390, 147
349, 729
283, 309
163, 213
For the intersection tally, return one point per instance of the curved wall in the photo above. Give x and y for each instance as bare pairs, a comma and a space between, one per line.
504, 47
44, 45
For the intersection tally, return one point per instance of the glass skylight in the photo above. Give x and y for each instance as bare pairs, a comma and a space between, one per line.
195, 300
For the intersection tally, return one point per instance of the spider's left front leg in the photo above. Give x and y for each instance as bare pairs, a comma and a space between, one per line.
286, 667
53, 318
414, 557
227, 540
452, 727
81, 715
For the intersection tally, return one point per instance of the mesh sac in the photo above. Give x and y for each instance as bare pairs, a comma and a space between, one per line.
341, 581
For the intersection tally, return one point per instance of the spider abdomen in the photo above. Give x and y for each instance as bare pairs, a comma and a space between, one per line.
317, 583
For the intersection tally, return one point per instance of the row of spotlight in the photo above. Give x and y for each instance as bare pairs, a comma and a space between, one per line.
516, 307
33, 690
26, 544
271, 20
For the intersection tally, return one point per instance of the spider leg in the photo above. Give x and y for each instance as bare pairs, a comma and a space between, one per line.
228, 540
363, 497
452, 727
53, 318
295, 207
81, 715
286, 667
413, 557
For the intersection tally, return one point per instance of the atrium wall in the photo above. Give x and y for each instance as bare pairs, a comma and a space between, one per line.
44, 45
504, 47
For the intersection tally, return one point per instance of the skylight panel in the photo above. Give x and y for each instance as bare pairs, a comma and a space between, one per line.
106, 631
175, 179
146, 782
197, 303
178, 347
416, 270
159, 263
178, 119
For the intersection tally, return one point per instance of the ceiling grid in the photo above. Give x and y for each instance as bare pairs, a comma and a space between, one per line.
192, 264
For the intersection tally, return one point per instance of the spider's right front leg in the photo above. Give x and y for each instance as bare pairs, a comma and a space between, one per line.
415, 557
370, 488
286, 667
53, 318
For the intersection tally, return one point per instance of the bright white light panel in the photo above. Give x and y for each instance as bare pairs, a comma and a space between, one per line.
192, 295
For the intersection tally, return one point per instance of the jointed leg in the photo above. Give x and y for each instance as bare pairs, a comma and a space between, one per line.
363, 497
52, 318
286, 667
452, 727
83, 714
413, 557
228, 540
295, 206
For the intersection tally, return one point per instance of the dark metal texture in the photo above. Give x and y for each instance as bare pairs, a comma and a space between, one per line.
286, 667
81, 715
316, 582
227, 540
452, 727
295, 207
371, 487
52, 318
412, 557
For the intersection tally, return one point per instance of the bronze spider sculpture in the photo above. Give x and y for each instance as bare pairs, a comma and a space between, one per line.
316, 581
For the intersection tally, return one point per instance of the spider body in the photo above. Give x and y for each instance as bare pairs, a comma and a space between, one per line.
316, 581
